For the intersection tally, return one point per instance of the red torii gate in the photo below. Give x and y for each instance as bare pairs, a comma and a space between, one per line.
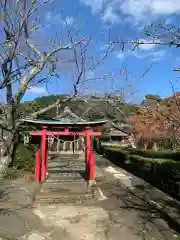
46, 128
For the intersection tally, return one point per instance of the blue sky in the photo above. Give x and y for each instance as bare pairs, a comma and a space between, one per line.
104, 19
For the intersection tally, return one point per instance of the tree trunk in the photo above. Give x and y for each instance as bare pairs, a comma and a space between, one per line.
6, 157
15, 143
9, 147
155, 147
145, 146
9, 135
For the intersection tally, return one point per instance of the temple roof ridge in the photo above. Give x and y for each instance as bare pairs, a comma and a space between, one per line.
68, 115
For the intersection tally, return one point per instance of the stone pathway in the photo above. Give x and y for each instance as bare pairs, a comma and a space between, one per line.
65, 183
120, 214
73, 211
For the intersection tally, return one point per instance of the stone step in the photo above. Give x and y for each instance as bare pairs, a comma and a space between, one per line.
66, 164
65, 187
64, 179
66, 172
69, 167
65, 199
58, 194
65, 175
65, 156
64, 193
55, 153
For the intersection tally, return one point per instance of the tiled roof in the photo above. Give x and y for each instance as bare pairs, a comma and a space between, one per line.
68, 116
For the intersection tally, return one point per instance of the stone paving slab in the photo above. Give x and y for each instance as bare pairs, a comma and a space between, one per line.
17, 193
85, 223
134, 194
149, 193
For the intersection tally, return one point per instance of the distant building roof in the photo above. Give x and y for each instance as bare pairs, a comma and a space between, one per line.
116, 130
118, 133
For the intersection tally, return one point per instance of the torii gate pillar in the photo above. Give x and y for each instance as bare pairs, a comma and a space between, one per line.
89, 162
43, 154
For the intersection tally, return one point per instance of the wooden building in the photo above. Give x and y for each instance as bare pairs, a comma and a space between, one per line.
118, 135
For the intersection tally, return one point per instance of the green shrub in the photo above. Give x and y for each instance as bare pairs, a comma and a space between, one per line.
25, 157
152, 154
166, 167
115, 154
114, 149
160, 169
140, 159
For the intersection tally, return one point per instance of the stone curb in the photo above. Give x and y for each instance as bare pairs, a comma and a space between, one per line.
132, 182
167, 214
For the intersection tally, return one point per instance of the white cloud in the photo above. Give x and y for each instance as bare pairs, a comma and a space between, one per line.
146, 47
109, 16
139, 11
90, 75
156, 59
153, 55
104, 47
165, 6
96, 5
37, 90
49, 16
120, 55
53, 18
159, 53
59, 19
69, 20
177, 59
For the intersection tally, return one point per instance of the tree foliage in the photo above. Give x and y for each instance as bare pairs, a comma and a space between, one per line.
97, 107
160, 121
153, 96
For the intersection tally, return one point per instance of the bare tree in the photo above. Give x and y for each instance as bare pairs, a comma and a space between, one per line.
156, 34
160, 34
113, 105
23, 63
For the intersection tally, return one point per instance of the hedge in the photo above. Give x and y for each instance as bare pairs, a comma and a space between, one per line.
158, 161
152, 154
166, 168
115, 150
